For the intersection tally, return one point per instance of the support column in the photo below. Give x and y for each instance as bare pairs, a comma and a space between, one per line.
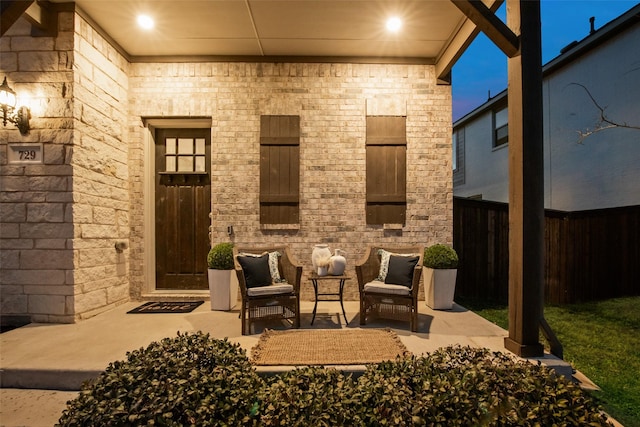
526, 182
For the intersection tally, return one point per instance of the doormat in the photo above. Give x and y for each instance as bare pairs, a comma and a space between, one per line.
327, 347
166, 307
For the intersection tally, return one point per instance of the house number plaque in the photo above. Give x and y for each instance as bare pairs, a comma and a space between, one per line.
25, 153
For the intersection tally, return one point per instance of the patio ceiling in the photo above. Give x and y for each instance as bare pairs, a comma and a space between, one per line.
433, 31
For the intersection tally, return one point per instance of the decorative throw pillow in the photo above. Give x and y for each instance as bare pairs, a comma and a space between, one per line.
273, 264
273, 267
384, 262
400, 270
256, 270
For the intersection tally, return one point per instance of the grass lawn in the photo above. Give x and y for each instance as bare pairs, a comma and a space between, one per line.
600, 339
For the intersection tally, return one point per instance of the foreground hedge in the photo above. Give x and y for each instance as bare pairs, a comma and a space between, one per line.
187, 380
195, 380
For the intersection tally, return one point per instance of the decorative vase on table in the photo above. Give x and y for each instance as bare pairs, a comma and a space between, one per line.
337, 263
319, 252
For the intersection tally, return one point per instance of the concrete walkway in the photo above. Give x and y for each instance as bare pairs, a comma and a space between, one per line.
38, 358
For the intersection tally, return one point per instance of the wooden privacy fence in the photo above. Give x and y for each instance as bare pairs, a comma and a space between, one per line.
589, 255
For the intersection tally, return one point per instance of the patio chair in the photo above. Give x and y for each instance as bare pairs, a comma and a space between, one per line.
388, 281
269, 280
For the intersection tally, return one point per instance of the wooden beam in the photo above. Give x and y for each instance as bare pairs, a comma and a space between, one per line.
11, 11
526, 182
491, 25
44, 22
456, 46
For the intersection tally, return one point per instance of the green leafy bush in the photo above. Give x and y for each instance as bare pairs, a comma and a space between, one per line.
462, 386
311, 396
440, 256
194, 380
187, 380
221, 257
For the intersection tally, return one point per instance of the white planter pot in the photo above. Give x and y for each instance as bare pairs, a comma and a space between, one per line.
223, 289
440, 287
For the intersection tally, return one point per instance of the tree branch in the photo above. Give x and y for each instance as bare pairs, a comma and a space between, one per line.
604, 122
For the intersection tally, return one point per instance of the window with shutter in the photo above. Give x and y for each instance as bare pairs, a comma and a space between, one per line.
279, 169
386, 149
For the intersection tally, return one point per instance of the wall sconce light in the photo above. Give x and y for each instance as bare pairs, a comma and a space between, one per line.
18, 116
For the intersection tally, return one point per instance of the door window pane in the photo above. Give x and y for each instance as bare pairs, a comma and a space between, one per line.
171, 164
200, 144
171, 146
185, 146
200, 164
185, 164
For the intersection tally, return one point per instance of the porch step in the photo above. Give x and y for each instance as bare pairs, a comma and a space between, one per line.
72, 380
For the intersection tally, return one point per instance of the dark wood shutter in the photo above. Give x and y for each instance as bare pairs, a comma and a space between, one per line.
279, 169
386, 170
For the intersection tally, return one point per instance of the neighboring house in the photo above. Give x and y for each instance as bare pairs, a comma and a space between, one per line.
141, 158
584, 167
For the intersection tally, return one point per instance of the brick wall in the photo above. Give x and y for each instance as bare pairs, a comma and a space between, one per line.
332, 101
59, 221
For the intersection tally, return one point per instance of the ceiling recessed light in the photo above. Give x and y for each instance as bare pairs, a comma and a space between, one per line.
394, 24
145, 22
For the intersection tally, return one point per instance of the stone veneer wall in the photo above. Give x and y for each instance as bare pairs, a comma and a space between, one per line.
59, 220
36, 218
100, 172
332, 101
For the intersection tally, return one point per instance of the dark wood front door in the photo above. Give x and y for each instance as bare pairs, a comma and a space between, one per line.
183, 204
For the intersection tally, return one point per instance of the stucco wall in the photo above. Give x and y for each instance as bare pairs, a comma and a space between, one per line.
580, 173
486, 169
601, 170
332, 101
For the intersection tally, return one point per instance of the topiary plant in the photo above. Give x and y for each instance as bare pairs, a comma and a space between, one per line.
221, 257
440, 256
188, 380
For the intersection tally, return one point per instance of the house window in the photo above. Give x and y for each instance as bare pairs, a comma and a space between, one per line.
500, 127
386, 152
458, 156
279, 169
454, 150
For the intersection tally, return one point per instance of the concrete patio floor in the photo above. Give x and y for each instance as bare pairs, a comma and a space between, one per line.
39, 358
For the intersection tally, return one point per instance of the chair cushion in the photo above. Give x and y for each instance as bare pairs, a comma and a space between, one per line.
401, 270
256, 270
386, 288
275, 289
384, 263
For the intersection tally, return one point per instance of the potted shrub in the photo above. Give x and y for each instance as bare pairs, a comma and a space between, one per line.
223, 282
441, 263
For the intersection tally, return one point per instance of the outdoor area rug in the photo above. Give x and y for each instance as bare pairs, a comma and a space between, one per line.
166, 307
326, 347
